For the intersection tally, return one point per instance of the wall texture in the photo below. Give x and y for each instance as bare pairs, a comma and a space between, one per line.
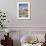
38, 13
36, 23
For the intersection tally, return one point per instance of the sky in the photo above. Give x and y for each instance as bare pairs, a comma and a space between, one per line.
23, 6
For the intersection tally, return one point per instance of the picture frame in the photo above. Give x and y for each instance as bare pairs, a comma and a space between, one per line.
23, 10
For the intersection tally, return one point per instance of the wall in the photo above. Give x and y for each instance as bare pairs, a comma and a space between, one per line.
38, 16
38, 13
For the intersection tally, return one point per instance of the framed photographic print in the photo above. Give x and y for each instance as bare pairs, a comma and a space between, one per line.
23, 10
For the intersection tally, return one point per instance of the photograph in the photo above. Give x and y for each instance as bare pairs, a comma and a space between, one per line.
23, 10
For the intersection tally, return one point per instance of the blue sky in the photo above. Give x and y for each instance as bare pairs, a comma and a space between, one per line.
23, 6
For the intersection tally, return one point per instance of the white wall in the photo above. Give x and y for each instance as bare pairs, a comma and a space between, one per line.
38, 16
38, 13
